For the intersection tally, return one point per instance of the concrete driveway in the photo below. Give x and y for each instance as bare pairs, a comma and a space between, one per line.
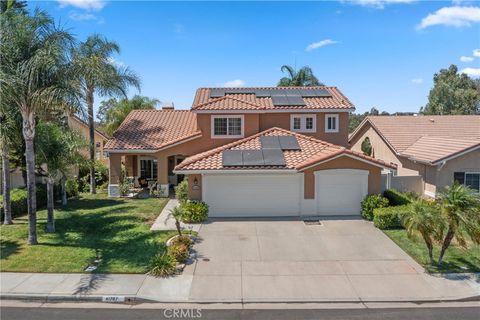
339, 260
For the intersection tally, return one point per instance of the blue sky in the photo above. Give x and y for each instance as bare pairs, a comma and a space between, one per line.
380, 53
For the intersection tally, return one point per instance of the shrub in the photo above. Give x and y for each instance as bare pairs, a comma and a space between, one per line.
162, 265
389, 217
372, 202
195, 211
72, 187
397, 198
184, 240
179, 252
18, 198
181, 191
124, 188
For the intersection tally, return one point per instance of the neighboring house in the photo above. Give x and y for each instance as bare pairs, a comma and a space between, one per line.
251, 152
75, 123
430, 152
100, 138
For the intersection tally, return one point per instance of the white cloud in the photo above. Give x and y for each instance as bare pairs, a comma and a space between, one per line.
476, 53
94, 5
377, 4
234, 83
452, 17
417, 81
472, 72
320, 44
466, 59
82, 16
115, 62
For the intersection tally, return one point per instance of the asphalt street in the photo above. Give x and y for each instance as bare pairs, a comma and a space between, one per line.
20, 313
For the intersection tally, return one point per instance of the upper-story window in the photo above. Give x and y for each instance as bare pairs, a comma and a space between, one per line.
331, 123
227, 126
303, 123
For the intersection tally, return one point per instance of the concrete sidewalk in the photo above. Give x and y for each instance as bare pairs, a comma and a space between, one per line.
135, 287
165, 222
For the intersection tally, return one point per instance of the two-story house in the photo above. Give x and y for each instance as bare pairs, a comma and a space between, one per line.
266, 151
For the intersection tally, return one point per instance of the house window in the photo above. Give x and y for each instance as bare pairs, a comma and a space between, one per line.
331, 123
303, 123
227, 126
469, 179
148, 169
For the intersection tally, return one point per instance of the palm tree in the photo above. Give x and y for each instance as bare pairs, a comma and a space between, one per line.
98, 74
423, 219
58, 149
301, 78
460, 207
177, 214
34, 78
8, 137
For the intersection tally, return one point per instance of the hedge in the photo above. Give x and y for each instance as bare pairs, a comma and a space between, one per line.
396, 198
18, 198
370, 203
389, 217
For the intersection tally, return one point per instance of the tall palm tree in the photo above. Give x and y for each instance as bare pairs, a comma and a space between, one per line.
460, 208
34, 77
98, 74
304, 77
423, 219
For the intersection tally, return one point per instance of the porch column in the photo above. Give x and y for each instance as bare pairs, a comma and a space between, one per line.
162, 176
115, 164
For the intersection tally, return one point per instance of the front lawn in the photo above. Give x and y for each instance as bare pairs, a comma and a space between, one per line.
117, 228
456, 259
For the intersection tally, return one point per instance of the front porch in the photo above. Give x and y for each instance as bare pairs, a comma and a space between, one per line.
143, 170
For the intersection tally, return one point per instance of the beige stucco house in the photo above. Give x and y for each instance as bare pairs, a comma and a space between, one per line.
430, 152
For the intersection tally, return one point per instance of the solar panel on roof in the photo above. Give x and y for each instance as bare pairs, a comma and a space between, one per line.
263, 93
270, 142
253, 158
280, 100
289, 143
217, 93
311, 93
239, 90
273, 157
293, 92
295, 101
232, 158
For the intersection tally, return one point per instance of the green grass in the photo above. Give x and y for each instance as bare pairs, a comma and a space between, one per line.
118, 228
456, 259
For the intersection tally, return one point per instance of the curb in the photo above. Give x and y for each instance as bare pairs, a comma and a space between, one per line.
131, 300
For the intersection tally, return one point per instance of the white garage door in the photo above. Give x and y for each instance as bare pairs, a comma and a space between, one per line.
259, 195
340, 191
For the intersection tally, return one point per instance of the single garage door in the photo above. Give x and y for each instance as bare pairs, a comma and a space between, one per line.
252, 195
340, 191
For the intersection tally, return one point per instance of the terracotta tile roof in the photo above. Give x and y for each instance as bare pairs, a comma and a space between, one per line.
312, 151
153, 130
403, 131
242, 101
435, 149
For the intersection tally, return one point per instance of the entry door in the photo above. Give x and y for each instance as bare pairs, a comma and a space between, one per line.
340, 191
252, 195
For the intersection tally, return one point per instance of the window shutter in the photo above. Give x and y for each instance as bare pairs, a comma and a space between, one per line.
459, 177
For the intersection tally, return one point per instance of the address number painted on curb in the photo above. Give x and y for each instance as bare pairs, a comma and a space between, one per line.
113, 299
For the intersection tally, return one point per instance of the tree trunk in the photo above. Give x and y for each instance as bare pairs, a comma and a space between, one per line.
429, 244
91, 131
50, 204
28, 135
7, 208
446, 244
179, 229
64, 191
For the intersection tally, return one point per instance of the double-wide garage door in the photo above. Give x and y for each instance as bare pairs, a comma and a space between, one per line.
337, 192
